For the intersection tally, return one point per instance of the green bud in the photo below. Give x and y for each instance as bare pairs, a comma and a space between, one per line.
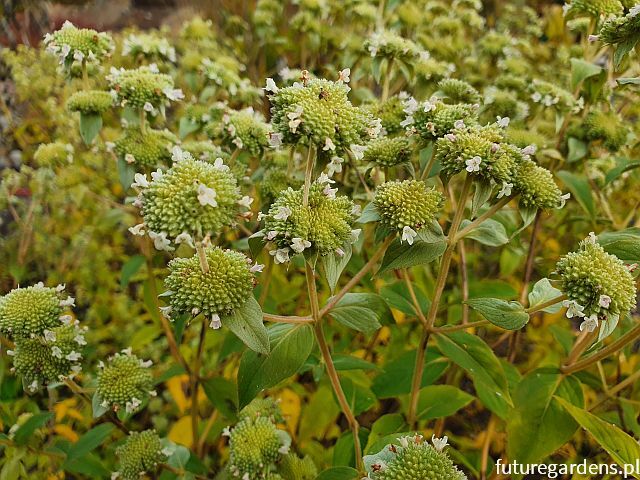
124, 381
141, 453
293, 467
623, 29
536, 186
458, 91
255, 445
606, 127
388, 151
71, 43
142, 87
150, 46
246, 130
148, 149
433, 119
595, 8
408, 203
51, 154
390, 112
391, 45
91, 101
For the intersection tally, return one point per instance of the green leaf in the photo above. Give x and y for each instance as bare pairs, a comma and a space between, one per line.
291, 345
126, 172
481, 194
538, 425
629, 81
472, 354
436, 401
397, 296
256, 242
504, 314
334, 264
222, 394
577, 149
187, 126
369, 214
581, 70
361, 311
580, 189
129, 269
623, 48
96, 406
624, 244
623, 165
246, 323
347, 362
490, 232
623, 448
427, 246
89, 441
359, 396
542, 292
90, 125
339, 473
26, 430
385, 425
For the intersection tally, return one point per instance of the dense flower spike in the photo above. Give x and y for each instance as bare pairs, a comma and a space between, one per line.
390, 45
407, 204
276, 179
263, 407
623, 29
245, 130
388, 151
220, 291
255, 445
71, 43
293, 467
433, 119
457, 91
319, 111
143, 86
52, 154
28, 312
91, 101
145, 149
150, 46
141, 453
607, 128
325, 224
391, 113
124, 381
536, 186
205, 150
54, 355
594, 8
192, 197
413, 458
596, 280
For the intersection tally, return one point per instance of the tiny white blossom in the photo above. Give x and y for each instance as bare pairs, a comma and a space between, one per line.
68, 302
295, 119
219, 165
275, 139
282, 213
256, 268
344, 75
157, 175
451, 137
589, 324
505, 191
408, 234
529, 150
410, 106
358, 151
66, 319
271, 86
185, 237
166, 311
56, 352
148, 107
604, 301
73, 356
355, 234
207, 196
298, 244
33, 386
503, 121
330, 192
284, 449
593, 238
173, 93
356, 211
79, 339
137, 230
133, 405
215, 321
473, 164
78, 55
237, 142
280, 255
271, 235
245, 201
140, 180
574, 309
439, 443
374, 128
160, 241
49, 335
404, 441
11, 353
429, 106
324, 178
536, 97
458, 124
328, 145
226, 432
335, 166
563, 199
409, 120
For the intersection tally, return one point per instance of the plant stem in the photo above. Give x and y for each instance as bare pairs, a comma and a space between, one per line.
202, 257
462, 251
286, 319
307, 175
630, 380
331, 369
546, 304
386, 81
194, 380
429, 166
414, 298
441, 280
462, 326
488, 214
85, 75
143, 121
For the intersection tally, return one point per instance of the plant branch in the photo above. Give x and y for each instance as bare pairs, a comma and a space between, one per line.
486, 215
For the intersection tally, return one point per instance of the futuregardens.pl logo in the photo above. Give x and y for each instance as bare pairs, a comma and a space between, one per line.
561, 470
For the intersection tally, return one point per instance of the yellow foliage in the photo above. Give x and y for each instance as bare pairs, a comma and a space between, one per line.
181, 432
177, 387
290, 406
67, 408
66, 431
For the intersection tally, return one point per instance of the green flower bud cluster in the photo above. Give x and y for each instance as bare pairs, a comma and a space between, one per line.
275, 180
616, 30
504, 103
457, 91
320, 111
150, 46
536, 186
204, 150
265, 17
494, 44
49, 357
148, 149
388, 151
224, 72
71, 43
594, 8
293, 467
246, 130
408, 203
550, 95
606, 127
433, 118
124, 381
390, 112
141, 453
226, 285
596, 280
522, 138
262, 407
391, 45
324, 224
50, 154
197, 29
255, 445
90, 101
143, 87
192, 197
413, 459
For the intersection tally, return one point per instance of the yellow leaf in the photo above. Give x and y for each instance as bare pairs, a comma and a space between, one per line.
290, 406
398, 316
177, 386
66, 431
181, 432
65, 408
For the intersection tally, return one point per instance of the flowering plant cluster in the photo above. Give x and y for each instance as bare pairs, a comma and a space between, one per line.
322, 240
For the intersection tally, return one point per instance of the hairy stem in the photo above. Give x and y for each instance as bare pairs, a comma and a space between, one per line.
307, 175
486, 215
194, 380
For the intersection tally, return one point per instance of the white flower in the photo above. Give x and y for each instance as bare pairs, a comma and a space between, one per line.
529, 150
439, 443
66, 50
148, 107
451, 137
356, 211
355, 234
271, 86
473, 164
284, 449
49, 336
574, 309
160, 241
410, 106
280, 255
589, 324
335, 165
215, 321
328, 145
428, 106
60, 287
536, 97
271, 235
78, 55
330, 192
73, 356
563, 199
358, 151
458, 124
298, 244
237, 142
375, 128
195, 311
166, 311
407, 121
503, 121
56, 352
11, 353
184, 237
634, 11
129, 158
157, 175
344, 75
275, 139
256, 268
505, 191
408, 234
604, 301
592, 238
68, 302
133, 405
33, 386
137, 230
295, 119
282, 213
173, 93
404, 441
226, 432
66, 319
219, 165
127, 351
140, 180
324, 178
207, 196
